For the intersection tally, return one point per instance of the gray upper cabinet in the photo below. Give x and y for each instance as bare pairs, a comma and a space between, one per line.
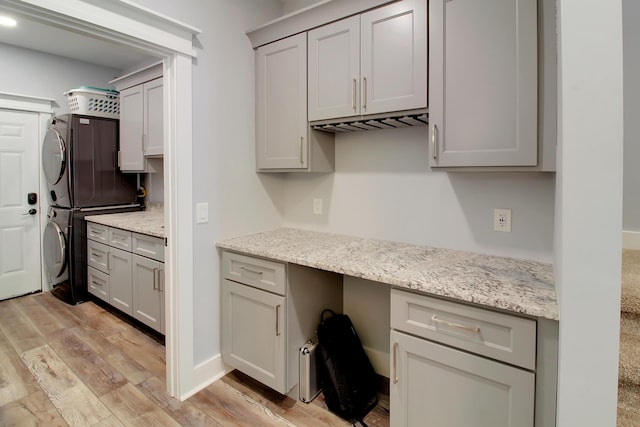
281, 85
284, 141
483, 83
371, 63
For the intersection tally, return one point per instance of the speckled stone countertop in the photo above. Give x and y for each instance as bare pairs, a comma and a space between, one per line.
149, 221
515, 285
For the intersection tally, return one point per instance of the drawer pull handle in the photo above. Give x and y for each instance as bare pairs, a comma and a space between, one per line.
395, 366
278, 320
251, 271
476, 330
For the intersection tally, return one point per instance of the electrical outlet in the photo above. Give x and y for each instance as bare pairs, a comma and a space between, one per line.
502, 220
317, 206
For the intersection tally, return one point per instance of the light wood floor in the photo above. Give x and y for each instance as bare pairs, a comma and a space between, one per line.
84, 366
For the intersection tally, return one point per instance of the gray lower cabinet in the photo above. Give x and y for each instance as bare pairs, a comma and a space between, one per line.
453, 365
148, 292
435, 385
270, 310
120, 280
255, 333
126, 270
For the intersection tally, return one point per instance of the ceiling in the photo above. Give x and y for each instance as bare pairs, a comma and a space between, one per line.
32, 34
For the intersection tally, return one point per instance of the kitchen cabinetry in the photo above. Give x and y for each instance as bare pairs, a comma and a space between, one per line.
284, 141
148, 277
261, 331
141, 117
140, 125
371, 63
457, 365
126, 270
483, 83
109, 253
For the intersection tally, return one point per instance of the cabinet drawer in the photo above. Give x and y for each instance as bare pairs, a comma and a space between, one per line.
98, 283
97, 232
98, 256
120, 239
148, 246
499, 336
256, 272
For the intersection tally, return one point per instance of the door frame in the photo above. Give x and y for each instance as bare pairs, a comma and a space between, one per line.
44, 108
131, 25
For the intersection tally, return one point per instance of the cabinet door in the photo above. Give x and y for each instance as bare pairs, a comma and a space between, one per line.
483, 82
334, 70
394, 57
120, 292
131, 129
281, 104
153, 118
433, 385
148, 292
253, 333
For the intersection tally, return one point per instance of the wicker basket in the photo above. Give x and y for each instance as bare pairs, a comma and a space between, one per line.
94, 102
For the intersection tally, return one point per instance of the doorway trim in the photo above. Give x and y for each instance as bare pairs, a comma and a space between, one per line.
128, 24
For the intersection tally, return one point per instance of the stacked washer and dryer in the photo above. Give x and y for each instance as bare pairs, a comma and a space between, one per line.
80, 162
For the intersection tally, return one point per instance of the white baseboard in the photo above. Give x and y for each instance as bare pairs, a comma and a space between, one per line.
631, 240
207, 372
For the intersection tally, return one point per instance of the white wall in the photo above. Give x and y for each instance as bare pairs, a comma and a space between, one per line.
28, 72
240, 201
631, 32
587, 258
383, 188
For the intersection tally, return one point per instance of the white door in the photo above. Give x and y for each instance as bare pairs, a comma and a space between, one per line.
19, 229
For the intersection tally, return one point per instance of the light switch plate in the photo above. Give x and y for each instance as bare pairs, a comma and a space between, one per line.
202, 213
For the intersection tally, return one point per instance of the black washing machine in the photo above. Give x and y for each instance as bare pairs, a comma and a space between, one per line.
64, 247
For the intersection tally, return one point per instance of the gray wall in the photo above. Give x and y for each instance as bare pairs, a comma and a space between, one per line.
631, 46
27, 72
240, 201
383, 188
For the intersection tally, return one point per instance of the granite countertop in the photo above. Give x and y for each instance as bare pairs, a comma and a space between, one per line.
515, 285
149, 221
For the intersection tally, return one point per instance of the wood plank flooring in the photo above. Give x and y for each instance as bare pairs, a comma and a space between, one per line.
63, 365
